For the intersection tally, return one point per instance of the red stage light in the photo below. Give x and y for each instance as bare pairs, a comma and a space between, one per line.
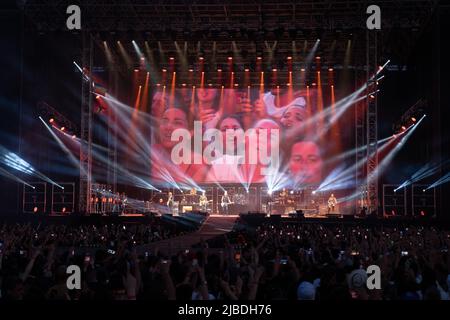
136, 70
313, 83
403, 128
330, 69
230, 58
158, 84
247, 70
35, 209
302, 70
200, 58
63, 210
74, 137
413, 119
289, 58
63, 128
210, 84
51, 120
219, 70
183, 84
97, 97
258, 58
318, 58
172, 58
191, 70
164, 70
274, 70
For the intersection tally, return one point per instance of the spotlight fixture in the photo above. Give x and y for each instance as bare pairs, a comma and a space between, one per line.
164, 70
63, 128
219, 70
51, 120
413, 119
302, 69
330, 69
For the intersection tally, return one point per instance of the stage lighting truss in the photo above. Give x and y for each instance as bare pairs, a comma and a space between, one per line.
249, 25
56, 119
411, 116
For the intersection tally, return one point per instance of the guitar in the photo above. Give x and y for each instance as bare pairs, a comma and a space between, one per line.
332, 203
225, 204
204, 202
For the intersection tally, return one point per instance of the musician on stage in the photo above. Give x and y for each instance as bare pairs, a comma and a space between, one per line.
170, 203
283, 197
225, 202
332, 202
203, 202
124, 201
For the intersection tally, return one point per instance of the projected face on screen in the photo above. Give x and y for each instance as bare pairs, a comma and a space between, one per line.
172, 119
305, 162
214, 136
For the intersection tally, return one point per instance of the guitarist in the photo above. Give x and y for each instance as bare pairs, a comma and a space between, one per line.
225, 202
203, 201
332, 202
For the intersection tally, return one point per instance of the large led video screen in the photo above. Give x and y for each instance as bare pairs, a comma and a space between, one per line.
279, 136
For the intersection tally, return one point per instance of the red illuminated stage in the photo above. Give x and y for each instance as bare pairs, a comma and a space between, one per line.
212, 200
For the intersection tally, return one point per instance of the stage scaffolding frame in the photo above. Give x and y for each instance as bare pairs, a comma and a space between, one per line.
87, 52
372, 120
215, 20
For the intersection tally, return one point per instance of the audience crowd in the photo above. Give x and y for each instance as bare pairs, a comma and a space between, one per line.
282, 262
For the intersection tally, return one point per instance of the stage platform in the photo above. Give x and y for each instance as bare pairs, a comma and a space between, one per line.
194, 220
